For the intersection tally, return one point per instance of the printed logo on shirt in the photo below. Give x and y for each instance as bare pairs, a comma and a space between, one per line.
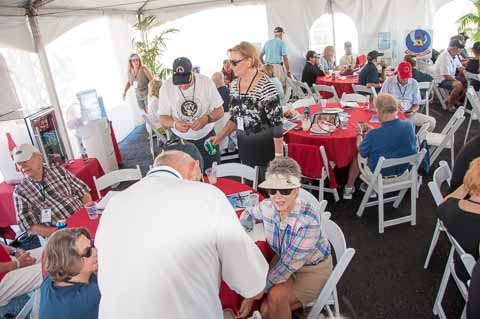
189, 109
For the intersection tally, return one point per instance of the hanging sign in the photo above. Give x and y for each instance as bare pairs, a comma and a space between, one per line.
419, 43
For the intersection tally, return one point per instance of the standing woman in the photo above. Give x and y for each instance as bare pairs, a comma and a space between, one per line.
255, 110
138, 77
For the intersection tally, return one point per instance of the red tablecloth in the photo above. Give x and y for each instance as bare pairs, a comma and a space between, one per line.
340, 146
341, 86
80, 219
84, 170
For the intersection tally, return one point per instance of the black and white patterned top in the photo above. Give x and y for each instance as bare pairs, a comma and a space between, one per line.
260, 106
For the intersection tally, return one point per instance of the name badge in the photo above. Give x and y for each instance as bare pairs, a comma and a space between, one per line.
240, 124
135, 84
46, 215
403, 106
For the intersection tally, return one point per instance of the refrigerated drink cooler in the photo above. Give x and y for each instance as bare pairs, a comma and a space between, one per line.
42, 129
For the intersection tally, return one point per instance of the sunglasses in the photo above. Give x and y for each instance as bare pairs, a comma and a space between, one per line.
88, 251
236, 62
284, 192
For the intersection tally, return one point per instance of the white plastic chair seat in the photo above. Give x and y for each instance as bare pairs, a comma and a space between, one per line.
115, 177
435, 139
238, 170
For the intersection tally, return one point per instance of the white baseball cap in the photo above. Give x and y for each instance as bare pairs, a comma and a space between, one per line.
24, 152
277, 181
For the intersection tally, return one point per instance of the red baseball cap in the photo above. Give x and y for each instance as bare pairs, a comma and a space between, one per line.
404, 70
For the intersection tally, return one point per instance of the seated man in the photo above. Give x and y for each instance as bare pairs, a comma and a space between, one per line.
46, 194
473, 65
70, 290
348, 59
405, 90
445, 70
369, 75
393, 139
18, 275
311, 69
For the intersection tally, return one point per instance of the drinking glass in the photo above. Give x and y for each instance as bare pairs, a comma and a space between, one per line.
91, 210
253, 199
212, 175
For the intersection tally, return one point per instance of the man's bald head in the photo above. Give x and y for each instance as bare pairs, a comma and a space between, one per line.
219, 79
181, 162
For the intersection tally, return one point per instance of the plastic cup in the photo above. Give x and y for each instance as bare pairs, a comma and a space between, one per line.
306, 124
212, 175
253, 199
92, 210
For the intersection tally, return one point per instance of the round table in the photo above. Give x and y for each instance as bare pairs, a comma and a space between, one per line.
341, 86
341, 145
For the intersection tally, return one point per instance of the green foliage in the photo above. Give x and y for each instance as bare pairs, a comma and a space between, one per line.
152, 51
470, 23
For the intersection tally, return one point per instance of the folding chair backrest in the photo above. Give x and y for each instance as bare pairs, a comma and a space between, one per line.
336, 238
153, 129
427, 87
441, 175
455, 121
467, 259
327, 89
303, 102
471, 76
474, 101
238, 170
296, 88
310, 158
288, 93
354, 97
115, 177
422, 133
358, 88
303, 87
312, 200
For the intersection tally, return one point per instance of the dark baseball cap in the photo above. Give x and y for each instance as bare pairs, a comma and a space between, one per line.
456, 43
182, 71
278, 30
372, 55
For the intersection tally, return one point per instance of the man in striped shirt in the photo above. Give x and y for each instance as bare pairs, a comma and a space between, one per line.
46, 195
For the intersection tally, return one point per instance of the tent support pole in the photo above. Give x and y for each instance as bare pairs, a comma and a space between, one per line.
332, 12
47, 74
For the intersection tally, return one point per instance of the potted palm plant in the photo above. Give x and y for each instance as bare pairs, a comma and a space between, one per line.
470, 23
151, 51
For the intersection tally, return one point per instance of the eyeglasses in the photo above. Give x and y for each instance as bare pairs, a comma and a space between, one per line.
236, 62
284, 192
88, 251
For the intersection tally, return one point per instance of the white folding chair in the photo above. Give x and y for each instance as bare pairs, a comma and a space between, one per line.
343, 255
115, 177
297, 91
357, 88
472, 97
153, 132
309, 198
407, 181
303, 87
327, 89
303, 102
425, 102
239, 170
468, 261
325, 172
288, 93
354, 97
442, 95
441, 175
446, 138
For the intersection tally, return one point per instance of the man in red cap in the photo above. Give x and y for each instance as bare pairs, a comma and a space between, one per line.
405, 89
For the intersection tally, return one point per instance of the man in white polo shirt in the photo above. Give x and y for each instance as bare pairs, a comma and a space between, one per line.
165, 243
190, 105
445, 70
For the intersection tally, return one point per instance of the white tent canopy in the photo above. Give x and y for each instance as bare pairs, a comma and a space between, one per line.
29, 25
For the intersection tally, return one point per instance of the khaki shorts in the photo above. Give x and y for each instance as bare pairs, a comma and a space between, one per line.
309, 280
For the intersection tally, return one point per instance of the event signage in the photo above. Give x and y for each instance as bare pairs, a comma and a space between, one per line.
419, 42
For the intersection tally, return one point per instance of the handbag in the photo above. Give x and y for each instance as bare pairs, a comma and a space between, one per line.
424, 166
26, 242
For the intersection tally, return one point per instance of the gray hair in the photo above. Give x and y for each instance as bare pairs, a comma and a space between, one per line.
386, 104
284, 166
218, 78
172, 158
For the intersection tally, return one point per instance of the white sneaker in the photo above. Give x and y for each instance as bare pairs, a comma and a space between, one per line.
256, 315
348, 192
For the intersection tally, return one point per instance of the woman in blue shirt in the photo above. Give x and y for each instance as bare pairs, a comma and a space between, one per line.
327, 61
70, 290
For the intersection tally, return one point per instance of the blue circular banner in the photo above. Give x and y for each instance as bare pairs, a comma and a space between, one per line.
418, 41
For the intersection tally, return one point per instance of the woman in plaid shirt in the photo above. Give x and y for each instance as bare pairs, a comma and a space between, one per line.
293, 230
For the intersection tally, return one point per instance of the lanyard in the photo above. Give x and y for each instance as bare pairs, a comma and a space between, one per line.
163, 171
193, 97
248, 89
404, 91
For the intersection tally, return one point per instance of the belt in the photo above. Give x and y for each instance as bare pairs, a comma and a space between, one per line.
281, 63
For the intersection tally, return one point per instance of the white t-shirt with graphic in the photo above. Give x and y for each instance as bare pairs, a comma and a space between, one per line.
198, 100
